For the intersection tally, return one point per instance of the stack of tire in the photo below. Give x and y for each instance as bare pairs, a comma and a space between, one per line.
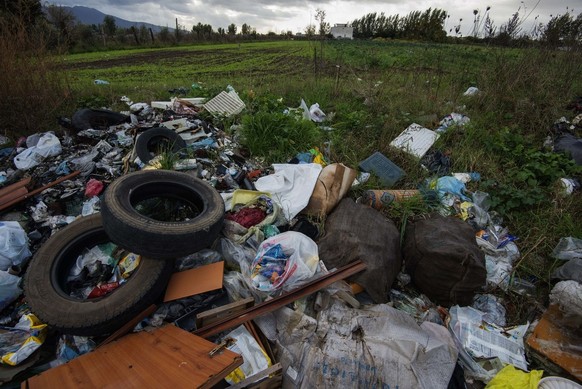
158, 242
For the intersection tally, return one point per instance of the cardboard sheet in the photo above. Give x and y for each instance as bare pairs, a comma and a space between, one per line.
415, 140
195, 281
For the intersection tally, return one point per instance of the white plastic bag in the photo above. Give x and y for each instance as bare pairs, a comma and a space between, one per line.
48, 145
13, 245
255, 359
284, 262
290, 186
9, 288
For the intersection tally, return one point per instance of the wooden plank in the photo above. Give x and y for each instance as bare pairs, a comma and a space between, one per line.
9, 196
168, 357
282, 300
16, 185
211, 316
39, 190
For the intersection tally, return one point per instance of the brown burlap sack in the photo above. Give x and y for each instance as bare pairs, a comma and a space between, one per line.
443, 259
354, 231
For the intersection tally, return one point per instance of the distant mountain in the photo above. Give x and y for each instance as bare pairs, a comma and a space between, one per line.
86, 15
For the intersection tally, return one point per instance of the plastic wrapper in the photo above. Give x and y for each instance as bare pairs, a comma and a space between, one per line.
568, 248
510, 377
200, 258
255, 359
492, 307
236, 255
419, 307
284, 262
13, 245
477, 339
90, 206
19, 342
499, 262
93, 188
70, 347
571, 270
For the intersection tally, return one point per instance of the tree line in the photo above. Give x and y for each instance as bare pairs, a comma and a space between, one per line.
62, 30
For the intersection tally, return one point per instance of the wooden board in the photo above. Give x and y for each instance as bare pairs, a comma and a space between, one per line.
195, 281
557, 343
211, 316
168, 357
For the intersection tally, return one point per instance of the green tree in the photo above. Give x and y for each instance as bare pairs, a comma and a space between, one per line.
109, 25
245, 29
232, 29
310, 30
21, 12
63, 21
324, 27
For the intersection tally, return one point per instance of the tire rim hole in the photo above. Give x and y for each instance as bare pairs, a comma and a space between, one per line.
167, 209
98, 271
159, 145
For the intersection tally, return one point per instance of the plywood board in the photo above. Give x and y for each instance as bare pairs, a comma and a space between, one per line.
560, 345
195, 281
167, 357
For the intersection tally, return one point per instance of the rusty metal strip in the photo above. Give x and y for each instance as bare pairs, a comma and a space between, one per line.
280, 301
37, 191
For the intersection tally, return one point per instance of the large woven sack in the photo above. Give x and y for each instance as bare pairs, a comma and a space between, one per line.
354, 231
443, 259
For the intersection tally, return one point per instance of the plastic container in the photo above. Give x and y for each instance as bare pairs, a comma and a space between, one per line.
557, 383
385, 169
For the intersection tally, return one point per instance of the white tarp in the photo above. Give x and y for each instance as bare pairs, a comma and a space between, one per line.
374, 347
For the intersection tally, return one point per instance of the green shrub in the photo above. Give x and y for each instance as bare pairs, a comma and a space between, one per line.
277, 137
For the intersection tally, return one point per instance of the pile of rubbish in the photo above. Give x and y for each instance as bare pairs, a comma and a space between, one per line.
126, 222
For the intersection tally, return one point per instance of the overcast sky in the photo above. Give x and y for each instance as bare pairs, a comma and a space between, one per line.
295, 15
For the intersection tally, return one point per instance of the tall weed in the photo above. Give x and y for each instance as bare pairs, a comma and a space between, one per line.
33, 90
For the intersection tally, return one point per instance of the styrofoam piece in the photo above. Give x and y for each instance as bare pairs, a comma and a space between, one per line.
225, 103
415, 140
176, 125
557, 383
197, 101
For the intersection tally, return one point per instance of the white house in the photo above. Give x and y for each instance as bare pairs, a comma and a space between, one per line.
342, 31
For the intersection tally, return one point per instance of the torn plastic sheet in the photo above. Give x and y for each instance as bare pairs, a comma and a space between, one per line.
255, 359
13, 245
290, 186
568, 248
19, 342
480, 339
376, 346
415, 140
499, 262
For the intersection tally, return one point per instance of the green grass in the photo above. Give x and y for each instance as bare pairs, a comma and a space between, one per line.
374, 90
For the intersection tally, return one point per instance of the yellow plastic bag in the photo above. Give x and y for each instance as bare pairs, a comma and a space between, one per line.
32, 334
511, 378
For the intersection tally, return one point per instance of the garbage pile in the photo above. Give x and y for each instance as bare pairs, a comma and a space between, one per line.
125, 222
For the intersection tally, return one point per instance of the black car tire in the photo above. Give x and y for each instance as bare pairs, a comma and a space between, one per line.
151, 142
158, 238
46, 292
